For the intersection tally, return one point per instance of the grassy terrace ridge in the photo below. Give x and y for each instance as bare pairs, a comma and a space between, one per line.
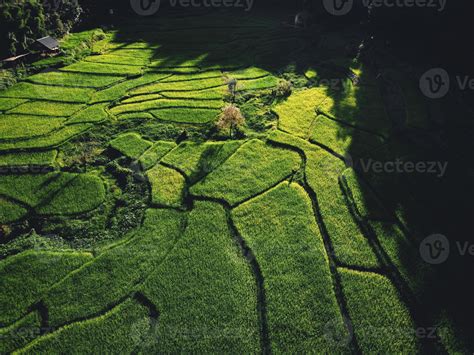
114, 325
16, 126
40, 270
118, 270
155, 153
212, 321
234, 181
45, 92
53, 193
322, 172
290, 251
45, 158
130, 145
140, 213
167, 186
378, 314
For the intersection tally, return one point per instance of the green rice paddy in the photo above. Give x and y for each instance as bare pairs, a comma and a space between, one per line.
265, 241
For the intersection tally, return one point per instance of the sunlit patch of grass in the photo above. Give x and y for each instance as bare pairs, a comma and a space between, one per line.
136, 116
42, 158
265, 82
14, 337
119, 90
342, 139
125, 327
55, 193
7, 103
74, 79
359, 105
167, 186
117, 270
197, 160
117, 58
247, 73
44, 92
46, 108
236, 179
23, 126
155, 153
322, 174
182, 85
187, 115
11, 211
50, 141
280, 229
365, 202
91, 114
382, 323
165, 104
130, 145
81, 194
111, 69
297, 113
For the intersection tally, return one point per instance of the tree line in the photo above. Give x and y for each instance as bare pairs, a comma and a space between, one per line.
23, 21
444, 33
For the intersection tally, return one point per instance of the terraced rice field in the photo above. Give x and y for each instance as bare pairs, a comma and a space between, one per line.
129, 224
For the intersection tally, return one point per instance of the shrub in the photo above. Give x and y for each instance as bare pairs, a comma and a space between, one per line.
283, 89
230, 118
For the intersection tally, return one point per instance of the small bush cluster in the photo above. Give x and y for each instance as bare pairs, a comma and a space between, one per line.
283, 89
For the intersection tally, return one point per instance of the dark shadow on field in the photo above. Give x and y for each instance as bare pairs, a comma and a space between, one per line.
415, 130
419, 130
207, 163
228, 39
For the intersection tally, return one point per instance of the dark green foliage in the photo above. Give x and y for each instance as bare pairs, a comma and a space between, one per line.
22, 22
39, 270
55, 193
204, 261
124, 327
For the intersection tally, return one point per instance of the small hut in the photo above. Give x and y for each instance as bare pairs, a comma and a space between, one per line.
47, 45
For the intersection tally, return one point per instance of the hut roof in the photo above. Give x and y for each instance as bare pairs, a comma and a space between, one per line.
49, 42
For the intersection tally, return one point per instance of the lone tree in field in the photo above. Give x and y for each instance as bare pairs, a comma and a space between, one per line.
230, 118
